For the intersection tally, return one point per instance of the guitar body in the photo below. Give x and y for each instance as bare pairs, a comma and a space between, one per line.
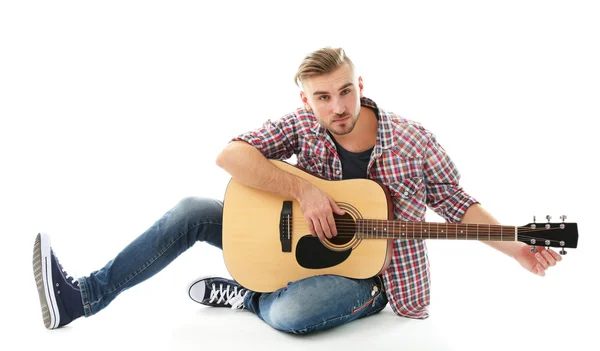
254, 224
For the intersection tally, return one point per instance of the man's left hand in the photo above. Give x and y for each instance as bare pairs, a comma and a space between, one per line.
538, 261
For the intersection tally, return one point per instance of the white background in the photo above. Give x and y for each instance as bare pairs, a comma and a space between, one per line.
113, 111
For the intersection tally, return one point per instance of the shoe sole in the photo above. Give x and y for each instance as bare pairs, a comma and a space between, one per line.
42, 271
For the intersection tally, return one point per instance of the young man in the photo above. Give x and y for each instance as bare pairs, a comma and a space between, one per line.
337, 134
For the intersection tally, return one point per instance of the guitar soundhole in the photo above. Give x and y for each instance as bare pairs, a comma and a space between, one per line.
346, 228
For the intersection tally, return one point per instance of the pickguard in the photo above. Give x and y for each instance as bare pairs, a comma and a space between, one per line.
311, 254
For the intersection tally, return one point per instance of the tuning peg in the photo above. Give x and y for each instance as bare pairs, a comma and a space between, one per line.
533, 219
562, 251
563, 217
548, 217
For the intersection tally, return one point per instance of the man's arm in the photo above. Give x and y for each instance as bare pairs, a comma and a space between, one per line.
536, 262
250, 167
477, 214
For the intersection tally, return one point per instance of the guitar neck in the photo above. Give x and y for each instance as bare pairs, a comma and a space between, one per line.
384, 229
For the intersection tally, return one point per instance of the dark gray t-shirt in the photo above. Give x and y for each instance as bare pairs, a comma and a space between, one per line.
354, 164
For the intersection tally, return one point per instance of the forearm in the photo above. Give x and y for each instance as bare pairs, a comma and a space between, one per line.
477, 214
250, 167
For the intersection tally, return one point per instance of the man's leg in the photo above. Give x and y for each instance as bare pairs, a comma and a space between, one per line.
308, 305
318, 303
191, 220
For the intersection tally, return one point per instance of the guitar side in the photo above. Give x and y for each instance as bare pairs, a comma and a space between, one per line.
252, 247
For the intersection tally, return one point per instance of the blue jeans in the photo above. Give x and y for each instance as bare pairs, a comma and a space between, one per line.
307, 305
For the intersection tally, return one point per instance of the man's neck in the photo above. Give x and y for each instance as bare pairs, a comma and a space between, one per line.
364, 134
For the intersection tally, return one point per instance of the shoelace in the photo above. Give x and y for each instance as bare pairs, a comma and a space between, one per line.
234, 298
70, 279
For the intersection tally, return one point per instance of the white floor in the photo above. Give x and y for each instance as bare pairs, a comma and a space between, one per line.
488, 307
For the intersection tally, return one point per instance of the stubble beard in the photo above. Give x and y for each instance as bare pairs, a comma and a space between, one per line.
346, 128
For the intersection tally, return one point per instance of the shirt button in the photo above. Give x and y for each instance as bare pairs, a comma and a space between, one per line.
406, 193
337, 171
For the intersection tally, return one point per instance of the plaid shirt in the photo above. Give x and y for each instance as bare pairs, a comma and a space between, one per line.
407, 159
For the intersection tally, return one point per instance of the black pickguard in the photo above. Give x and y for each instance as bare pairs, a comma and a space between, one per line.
310, 253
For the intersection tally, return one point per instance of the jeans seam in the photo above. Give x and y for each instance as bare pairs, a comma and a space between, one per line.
354, 310
87, 309
152, 260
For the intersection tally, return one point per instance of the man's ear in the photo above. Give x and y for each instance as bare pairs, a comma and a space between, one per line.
360, 86
305, 101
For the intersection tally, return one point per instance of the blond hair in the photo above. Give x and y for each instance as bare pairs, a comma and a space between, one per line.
322, 61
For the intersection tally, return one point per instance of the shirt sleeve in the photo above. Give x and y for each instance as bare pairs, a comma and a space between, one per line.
274, 139
445, 196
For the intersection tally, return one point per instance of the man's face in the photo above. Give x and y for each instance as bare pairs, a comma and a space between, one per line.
334, 98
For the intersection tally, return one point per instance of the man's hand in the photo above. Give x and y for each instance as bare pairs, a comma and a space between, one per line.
318, 208
538, 261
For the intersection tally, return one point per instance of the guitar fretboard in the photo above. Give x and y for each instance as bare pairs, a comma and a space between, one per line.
383, 229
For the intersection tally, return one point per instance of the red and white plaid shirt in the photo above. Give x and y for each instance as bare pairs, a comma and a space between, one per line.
407, 159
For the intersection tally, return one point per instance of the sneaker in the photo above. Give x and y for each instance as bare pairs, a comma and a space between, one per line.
217, 292
59, 293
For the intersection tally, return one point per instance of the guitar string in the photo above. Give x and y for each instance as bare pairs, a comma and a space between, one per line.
351, 220
540, 241
493, 228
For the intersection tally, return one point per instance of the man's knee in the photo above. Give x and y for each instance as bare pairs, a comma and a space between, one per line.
199, 207
290, 318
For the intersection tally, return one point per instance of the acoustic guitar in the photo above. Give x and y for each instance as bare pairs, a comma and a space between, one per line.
266, 241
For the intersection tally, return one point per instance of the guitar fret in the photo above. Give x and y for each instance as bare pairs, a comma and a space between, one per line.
376, 228
373, 229
361, 223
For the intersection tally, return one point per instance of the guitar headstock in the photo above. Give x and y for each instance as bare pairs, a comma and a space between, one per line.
562, 235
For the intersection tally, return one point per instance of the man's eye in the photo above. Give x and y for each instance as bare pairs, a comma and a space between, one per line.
323, 97
345, 91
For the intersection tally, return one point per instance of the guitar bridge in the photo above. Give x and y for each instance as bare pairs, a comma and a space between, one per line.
285, 227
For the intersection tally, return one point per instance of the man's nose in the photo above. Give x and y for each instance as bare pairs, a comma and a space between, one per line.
338, 107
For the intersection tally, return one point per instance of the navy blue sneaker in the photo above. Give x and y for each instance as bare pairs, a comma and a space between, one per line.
59, 293
217, 292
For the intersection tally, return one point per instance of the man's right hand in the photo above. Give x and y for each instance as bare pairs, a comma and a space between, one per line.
318, 209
